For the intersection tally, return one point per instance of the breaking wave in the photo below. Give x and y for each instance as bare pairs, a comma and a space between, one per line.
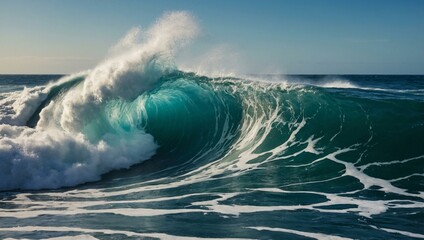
150, 140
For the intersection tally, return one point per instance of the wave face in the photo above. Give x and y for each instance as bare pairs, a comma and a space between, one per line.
147, 150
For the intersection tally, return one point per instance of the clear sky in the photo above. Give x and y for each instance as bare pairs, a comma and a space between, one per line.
298, 36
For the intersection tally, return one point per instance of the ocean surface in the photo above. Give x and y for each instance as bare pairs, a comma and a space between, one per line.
189, 156
141, 147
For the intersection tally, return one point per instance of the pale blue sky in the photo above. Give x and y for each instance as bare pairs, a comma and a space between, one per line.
299, 36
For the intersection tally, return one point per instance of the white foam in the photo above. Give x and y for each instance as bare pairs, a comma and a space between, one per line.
75, 237
405, 233
19, 106
37, 159
319, 236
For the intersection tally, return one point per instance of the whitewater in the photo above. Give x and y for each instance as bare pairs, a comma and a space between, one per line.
139, 147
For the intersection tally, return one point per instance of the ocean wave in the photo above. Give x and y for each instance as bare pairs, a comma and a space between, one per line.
137, 139
73, 141
137, 106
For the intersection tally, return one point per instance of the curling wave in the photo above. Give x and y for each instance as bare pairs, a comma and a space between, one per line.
236, 154
74, 140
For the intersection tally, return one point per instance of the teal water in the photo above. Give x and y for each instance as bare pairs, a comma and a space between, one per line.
255, 157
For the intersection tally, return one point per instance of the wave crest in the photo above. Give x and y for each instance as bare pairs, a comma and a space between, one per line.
73, 140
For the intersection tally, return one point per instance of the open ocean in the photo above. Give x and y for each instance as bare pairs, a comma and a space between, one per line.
139, 148
270, 157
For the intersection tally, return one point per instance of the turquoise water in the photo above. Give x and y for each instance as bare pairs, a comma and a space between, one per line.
262, 157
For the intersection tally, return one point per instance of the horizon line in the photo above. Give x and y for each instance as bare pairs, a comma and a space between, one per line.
286, 74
